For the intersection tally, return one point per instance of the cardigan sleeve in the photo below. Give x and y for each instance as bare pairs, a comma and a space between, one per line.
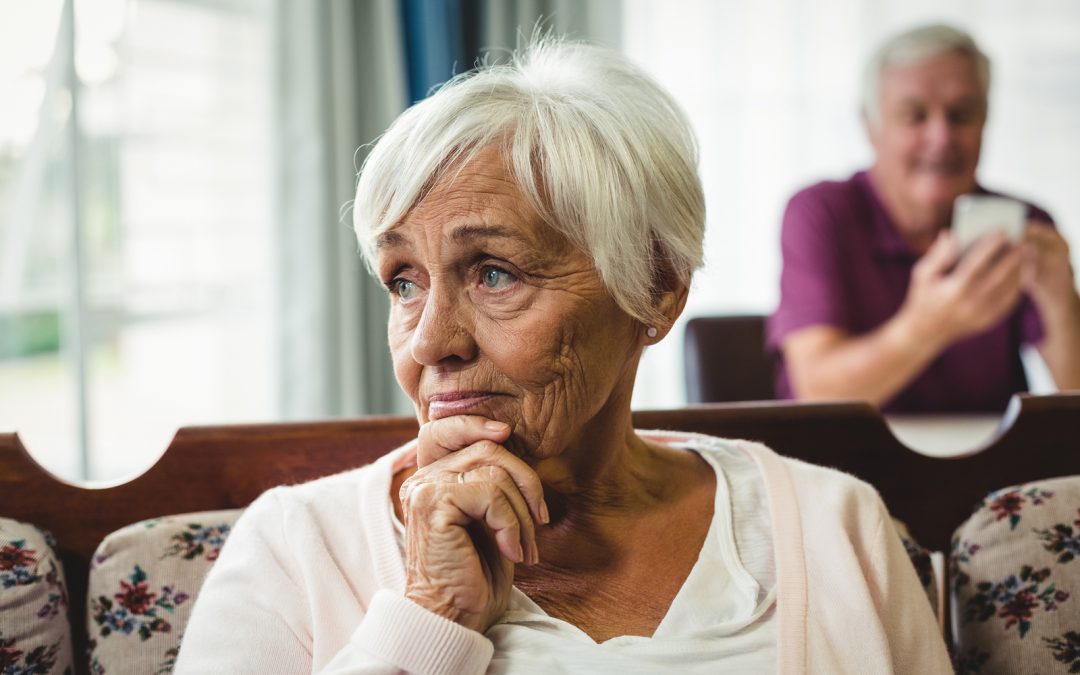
865, 609
915, 642
398, 635
254, 614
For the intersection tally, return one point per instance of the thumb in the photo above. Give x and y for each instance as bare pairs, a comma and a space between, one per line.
942, 254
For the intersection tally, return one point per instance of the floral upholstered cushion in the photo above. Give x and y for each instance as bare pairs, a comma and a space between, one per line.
1014, 576
35, 636
143, 583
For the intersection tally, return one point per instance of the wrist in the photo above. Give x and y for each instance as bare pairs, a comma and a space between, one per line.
912, 334
1059, 310
433, 602
445, 607
399, 632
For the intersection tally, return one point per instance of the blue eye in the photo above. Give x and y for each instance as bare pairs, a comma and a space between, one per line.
493, 277
403, 288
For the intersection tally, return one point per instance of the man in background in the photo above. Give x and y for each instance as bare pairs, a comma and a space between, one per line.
878, 301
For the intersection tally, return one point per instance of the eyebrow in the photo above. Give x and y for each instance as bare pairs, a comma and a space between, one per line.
389, 239
476, 231
972, 99
394, 239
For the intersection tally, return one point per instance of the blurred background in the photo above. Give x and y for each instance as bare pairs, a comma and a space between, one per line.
175, 177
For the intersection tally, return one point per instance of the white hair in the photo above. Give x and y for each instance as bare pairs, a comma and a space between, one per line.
913, 46
600, 151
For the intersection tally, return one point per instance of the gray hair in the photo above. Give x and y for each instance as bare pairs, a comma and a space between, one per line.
600, 150
912, 46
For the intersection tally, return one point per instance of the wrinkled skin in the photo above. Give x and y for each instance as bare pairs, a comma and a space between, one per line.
520, 366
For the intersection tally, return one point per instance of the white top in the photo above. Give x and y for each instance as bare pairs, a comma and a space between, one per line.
722, 614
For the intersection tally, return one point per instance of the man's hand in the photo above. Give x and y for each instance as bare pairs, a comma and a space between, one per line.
953, 296
1047, 274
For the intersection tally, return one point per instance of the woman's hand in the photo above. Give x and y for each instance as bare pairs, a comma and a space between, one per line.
470, 513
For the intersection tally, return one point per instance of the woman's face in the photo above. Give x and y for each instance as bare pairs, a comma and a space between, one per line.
493, 313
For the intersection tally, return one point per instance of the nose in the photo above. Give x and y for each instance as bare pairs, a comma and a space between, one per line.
938, 131
443, 336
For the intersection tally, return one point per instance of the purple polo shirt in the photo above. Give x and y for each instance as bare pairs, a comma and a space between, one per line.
846, 265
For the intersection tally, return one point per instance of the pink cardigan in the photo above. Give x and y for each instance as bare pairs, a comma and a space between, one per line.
311, 580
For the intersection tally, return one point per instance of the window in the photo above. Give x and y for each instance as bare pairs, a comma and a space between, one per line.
136, 238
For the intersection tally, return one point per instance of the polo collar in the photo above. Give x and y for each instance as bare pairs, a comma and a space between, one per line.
886, 238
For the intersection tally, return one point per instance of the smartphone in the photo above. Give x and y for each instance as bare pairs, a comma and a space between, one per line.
977, 215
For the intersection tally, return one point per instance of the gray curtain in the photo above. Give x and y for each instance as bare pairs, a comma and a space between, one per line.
340, 82
597, 21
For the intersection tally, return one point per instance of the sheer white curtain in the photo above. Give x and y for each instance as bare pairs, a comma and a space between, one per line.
771, 88
134, 294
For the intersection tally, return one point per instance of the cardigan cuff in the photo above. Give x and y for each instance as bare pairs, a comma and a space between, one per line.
414, 639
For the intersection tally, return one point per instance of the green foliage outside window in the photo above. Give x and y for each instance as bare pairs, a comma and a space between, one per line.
27, 334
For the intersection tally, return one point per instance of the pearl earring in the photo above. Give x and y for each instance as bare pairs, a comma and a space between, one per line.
651, 332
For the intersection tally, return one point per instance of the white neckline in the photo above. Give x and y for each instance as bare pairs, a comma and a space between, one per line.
720, 540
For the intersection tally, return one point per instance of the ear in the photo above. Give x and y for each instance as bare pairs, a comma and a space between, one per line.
670, 301
870, 128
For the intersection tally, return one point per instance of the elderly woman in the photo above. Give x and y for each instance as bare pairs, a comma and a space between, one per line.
536, 226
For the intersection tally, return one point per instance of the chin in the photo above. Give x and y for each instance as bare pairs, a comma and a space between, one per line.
940, 192
524, 448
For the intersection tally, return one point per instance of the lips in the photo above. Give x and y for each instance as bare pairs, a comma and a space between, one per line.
447, 404
948, 166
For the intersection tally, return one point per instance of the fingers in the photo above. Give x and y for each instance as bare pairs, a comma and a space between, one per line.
482, 478
941, 256
486, 455
983, 255
494, 502
1045, 241
490, 505
969, 291
1000, 287
1047, 272
1040, 228
441, 437
465, 469
469, 441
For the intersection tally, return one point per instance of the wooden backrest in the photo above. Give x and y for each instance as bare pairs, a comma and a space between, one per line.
228, 466
725, 360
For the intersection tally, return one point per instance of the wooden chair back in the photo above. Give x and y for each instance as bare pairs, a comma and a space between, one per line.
725, 360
